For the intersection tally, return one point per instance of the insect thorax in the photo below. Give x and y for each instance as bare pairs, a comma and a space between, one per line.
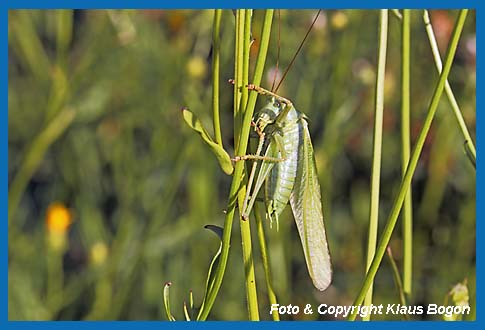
271, 111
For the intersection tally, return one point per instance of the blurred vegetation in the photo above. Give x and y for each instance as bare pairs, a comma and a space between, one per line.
109, 190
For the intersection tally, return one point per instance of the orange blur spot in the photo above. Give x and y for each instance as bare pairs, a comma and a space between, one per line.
58, 218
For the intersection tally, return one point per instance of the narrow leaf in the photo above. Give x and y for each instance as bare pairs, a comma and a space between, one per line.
166, 300
210, 279
186, 312
191, 299
221, 154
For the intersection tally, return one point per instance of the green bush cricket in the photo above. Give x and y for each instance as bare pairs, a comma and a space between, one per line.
289, 173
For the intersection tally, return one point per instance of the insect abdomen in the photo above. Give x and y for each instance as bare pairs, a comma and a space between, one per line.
282, 178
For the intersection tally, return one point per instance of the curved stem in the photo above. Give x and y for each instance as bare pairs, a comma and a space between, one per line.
34, 156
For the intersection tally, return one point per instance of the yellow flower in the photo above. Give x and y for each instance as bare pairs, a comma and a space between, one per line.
98, 253
339, 20
58, 218
197, 67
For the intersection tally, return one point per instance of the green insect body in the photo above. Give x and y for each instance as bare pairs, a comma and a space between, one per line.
289, 174
281, 179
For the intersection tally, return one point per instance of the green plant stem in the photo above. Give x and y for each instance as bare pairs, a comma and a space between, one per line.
266, 264
58, 118
248, 258
238, 74
406, 151
396, 13
406, 182
377, 149
448, 90
64, 23
29, 45
34, 156
239, 168
55, 280
245, 63
397, 279
216, 50
247, 251
60, 86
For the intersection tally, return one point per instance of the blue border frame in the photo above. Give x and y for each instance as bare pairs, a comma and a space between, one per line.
17, 4
100, 4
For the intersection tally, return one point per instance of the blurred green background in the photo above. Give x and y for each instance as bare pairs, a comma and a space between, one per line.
96, 137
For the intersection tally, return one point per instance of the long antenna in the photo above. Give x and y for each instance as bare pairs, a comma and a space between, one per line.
278, 53
298, 50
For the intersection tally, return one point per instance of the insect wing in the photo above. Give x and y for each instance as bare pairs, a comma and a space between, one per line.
306, 204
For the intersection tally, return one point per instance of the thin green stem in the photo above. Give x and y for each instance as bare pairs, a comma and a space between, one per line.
245, 64
60, 87
406, 151
247, 251
377, 149
406, 182
396, 13
58, 118
216, 44
266, 264
397, 279
31, 50
248, 258
64, 24
448, 90
238, 74
34, 156
239, 168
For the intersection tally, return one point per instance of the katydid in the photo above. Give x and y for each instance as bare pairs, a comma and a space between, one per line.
289, 173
